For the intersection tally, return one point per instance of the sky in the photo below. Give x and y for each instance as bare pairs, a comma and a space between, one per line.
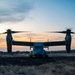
37, 17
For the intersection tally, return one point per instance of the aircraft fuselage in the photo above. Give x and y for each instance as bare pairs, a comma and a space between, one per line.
38, 49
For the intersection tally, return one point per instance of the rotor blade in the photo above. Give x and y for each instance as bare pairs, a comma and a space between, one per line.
73, 32
58, 32
14, 32
17, 31
62, 32
3, 33
68, 31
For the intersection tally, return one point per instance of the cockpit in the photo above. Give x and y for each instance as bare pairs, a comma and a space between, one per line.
38, 46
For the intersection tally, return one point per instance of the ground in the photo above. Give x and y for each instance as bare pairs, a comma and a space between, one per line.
52, 68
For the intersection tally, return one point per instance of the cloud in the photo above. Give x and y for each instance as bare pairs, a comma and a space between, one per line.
14, 10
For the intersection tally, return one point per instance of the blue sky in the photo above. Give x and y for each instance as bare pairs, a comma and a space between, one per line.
37, 16
55, 14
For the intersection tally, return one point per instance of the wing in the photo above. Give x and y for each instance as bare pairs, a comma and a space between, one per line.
21, 43
54, 43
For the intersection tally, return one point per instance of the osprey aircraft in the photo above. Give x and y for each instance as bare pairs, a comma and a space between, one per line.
38, 47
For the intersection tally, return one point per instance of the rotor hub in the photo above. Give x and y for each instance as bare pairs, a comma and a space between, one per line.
68, 31
9, 31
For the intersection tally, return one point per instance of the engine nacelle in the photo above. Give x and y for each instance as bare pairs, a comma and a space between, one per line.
9, 41
68, 42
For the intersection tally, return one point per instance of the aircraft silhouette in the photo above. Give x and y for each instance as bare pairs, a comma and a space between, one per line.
38, 47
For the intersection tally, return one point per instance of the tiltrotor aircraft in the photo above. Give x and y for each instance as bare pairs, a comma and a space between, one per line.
38, 47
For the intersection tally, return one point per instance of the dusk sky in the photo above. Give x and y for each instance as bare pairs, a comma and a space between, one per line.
38, 17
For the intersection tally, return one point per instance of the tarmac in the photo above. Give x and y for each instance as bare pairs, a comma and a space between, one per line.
11, 59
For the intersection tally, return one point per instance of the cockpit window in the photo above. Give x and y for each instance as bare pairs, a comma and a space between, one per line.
38, 47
